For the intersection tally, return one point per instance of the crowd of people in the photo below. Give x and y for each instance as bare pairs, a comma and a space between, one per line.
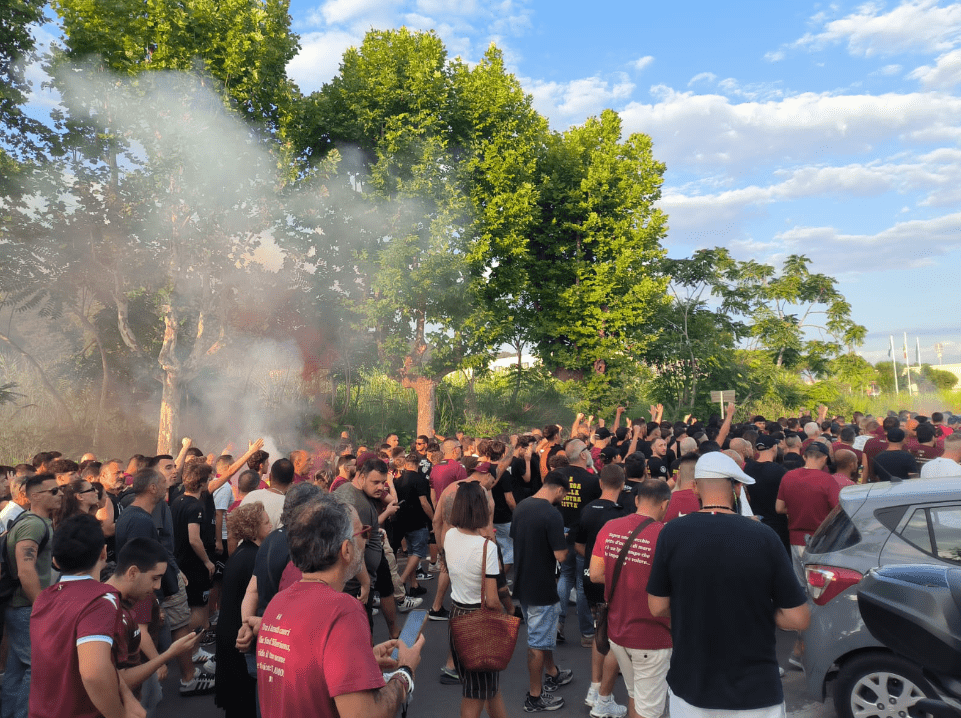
680, 540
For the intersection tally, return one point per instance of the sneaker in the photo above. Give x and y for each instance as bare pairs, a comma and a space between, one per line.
375, 601
209, 636
375, 612
563, 677
607, 708
200, 684
560, 633
441, 614
201, 656
591, 698
433, 567
423, 576
543, 702
408, 603
416, 591
448, 676
781, 671
587, 641
210, 666
214, 618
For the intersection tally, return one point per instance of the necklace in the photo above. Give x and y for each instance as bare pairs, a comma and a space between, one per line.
315, 580
726, 508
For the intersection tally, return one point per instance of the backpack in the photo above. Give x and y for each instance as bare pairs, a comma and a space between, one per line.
9, 581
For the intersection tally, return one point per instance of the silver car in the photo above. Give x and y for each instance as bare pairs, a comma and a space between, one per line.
913, 521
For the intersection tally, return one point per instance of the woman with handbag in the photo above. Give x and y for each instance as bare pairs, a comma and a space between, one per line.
479, 627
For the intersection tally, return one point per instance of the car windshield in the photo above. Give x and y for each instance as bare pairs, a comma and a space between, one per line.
835, 533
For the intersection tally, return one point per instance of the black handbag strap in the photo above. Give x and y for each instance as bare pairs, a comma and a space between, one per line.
624, 549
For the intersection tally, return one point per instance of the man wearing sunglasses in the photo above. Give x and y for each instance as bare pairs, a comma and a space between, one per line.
29, 549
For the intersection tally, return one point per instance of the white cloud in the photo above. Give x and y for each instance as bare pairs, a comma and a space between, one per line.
642, 63
913, 243
913, 26
945, 73
319, 58
451, 7
702, 77
335, 12
888, 70
566, 103
774, 55
695, 132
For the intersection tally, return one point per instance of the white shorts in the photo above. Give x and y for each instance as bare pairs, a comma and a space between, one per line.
645, 673
680, 708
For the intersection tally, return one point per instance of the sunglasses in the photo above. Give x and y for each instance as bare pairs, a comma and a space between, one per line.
53, 492
92, 489
364, 531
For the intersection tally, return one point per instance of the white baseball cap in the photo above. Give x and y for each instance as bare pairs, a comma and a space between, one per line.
718, 465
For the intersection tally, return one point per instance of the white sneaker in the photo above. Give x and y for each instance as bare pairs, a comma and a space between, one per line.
201, 656
606, 708
433, 568
591, 697
210, 667
408, 603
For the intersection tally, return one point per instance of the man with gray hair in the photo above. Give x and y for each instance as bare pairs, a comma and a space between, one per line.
584, 488
313, 654
18, 502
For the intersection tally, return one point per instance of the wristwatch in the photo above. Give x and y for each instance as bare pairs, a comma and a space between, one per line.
406, 676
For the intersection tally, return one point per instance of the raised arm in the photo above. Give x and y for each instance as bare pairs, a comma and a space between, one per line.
726, 426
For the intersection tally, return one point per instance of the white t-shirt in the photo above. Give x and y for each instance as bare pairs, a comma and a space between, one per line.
9, 513
223, 498
273, 504
463, 555
929, 470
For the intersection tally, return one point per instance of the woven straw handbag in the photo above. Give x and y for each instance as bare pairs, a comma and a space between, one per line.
484, 639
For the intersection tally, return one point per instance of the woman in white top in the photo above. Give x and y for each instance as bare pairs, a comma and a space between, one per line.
464, 553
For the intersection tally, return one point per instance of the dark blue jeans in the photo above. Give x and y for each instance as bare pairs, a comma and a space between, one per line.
572, 575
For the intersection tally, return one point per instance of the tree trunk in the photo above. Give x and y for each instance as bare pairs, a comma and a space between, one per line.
426, 390
105, 381
169, 411
65, 416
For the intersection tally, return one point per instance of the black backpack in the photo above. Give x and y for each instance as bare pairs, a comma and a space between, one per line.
9, 581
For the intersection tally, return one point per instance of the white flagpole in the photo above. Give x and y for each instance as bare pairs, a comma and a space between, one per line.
894, 363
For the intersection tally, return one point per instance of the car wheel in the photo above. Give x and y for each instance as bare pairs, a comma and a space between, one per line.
880, 685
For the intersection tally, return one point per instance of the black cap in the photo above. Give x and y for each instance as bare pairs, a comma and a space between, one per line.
765, 442
603, 433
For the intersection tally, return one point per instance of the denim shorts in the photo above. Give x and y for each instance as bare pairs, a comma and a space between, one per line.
542, 626
502, 532
417, 543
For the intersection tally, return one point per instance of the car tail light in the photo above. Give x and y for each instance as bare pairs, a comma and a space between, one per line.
826, 582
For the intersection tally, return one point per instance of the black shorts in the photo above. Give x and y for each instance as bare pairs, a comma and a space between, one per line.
198, 586
383, 583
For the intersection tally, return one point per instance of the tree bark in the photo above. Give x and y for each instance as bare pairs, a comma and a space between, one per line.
426, 390
169, 411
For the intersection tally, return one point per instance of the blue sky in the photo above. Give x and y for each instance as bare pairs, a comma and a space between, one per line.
832, 130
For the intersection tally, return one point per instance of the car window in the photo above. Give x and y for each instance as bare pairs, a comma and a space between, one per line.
946, 526
916, 531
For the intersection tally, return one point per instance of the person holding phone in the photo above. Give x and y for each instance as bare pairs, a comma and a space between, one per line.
313, 651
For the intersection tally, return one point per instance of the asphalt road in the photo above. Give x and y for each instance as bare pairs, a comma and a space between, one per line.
434, 700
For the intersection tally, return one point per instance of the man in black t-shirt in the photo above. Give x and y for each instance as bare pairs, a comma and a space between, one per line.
593, 517
539, 543
767, 475
413, 520
726, 583
584, 488
189, 519
895, 463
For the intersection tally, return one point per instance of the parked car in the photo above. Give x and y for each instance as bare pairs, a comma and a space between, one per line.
908, 522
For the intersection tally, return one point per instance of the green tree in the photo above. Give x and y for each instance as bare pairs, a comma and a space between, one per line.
443, 154
243, 46
23, 139
787, 306
592, 283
